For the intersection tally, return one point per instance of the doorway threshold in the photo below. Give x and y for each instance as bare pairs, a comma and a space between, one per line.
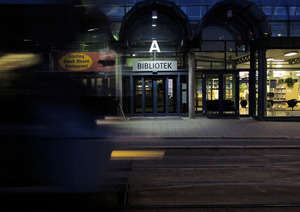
159, 118
222, 117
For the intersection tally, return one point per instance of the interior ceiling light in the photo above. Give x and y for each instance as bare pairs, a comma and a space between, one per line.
154, 14
153, 23
290, 53
275, 60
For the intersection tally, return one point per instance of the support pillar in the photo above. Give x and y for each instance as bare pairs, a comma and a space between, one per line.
262, 80
191, 79
252, 79
119, 81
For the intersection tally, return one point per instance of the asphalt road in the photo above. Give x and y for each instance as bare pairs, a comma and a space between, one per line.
222, 178
150, 175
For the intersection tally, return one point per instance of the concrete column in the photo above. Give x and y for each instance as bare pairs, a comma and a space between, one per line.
262, 82
252, 79
191, 67
119, 81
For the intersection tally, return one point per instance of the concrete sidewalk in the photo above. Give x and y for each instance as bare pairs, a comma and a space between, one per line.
164, 127
202, 128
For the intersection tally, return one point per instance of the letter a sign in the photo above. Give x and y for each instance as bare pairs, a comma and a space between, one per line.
154, 46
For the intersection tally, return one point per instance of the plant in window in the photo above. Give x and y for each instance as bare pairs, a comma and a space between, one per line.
290, 82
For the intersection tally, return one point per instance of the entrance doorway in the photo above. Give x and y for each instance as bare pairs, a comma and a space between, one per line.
155, 95
221, 94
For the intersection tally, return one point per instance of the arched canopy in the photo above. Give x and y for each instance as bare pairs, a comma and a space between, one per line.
243, 19
172, 24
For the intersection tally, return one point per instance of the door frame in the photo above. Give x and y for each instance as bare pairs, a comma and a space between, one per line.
155, 95
221, 92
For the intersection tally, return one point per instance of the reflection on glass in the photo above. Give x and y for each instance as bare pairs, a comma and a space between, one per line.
283, 93
244, 93
138, 95
183, 89
212, 93
212, 87
148, 95
160, 95
198, 93
229, 93
172, 95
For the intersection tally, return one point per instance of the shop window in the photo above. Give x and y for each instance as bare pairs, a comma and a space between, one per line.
283, 90
244, 93
198, 93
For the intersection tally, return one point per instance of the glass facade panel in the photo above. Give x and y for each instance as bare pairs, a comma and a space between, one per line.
280, 12
244, 93
268, 10
279, 29
172, 95
229, 93
149, 95
212, 93
282, 87
199, 93
283, 93
295, 29
184, 94
161, 91
138, 95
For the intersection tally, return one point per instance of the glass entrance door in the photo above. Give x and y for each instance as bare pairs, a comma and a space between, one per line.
212, 94
155, 95
221, 90
161, 92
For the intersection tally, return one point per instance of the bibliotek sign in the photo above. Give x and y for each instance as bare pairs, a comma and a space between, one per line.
154, 66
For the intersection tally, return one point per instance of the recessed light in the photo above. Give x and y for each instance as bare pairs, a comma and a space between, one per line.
154, 14
290, 53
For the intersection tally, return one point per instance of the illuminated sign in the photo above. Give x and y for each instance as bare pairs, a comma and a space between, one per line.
75, 62
154, 46
87, 61
154, 66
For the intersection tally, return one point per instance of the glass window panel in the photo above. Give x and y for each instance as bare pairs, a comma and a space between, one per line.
279, 29
193, 13
244, 93
113, 11
267, 10
197, 2
292, 11
273, 2
282, 93
279, 11
256, 2
295, 29
198, 93
292, 2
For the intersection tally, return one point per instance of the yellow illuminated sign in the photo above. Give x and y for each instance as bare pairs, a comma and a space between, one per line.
76, 62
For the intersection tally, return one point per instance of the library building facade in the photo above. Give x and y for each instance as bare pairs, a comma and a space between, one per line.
226, 58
